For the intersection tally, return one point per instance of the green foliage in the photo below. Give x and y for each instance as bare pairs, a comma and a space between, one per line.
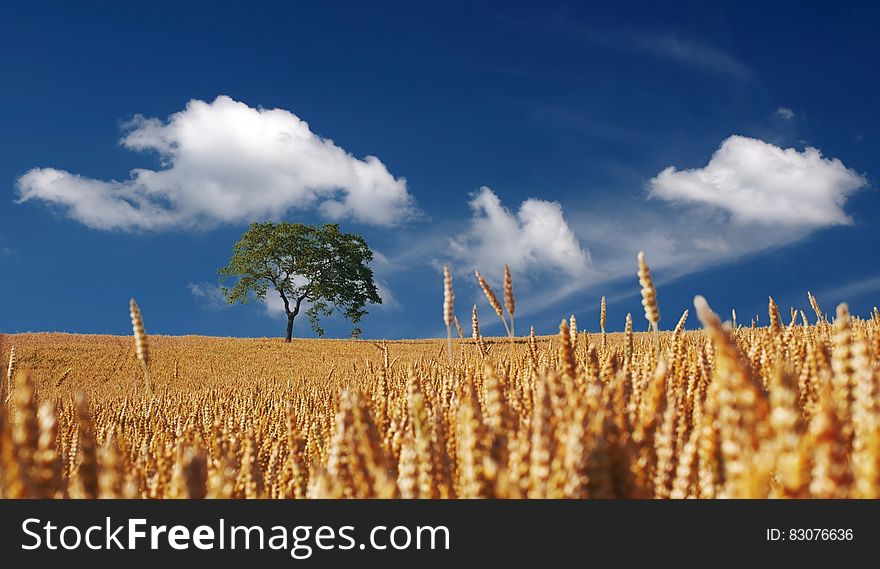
319, 265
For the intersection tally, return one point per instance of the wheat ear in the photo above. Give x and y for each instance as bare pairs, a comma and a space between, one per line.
775, 318
458, 327
649, 293
493, 300
448, 307
508, 297
10, 373
141, 345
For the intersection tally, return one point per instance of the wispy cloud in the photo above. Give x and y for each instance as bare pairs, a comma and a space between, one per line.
383, 269
208, 295
667, 45
851, 291
389, 301
672, 46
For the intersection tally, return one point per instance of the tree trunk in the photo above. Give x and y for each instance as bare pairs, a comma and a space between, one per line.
291, 314
290, 318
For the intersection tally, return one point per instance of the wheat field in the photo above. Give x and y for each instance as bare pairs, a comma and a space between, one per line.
789, 410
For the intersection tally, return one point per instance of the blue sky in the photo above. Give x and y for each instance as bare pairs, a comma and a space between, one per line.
734, 143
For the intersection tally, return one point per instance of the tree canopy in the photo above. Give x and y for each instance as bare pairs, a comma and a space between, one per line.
320, 266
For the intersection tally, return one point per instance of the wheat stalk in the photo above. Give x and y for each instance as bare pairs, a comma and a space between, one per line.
475, 333
566, 350
775, 317
509, 301
815, 306
629, 340
141, 345
493, 300
649, 293
10, 373
458, 327
448, 308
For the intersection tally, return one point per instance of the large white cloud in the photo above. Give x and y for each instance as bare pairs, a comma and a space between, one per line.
225, 162
536, 238
759, 183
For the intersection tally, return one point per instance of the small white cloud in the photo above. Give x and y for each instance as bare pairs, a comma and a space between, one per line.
226, 162
759, 183
210, 296
535, 239
785, 113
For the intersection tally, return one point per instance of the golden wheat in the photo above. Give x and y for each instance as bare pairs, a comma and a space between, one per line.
509, 300
142, 347
448, 308
649, 293
493, 300
726, 411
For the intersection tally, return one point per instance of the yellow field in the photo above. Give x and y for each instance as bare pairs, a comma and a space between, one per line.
784, 411
105, 367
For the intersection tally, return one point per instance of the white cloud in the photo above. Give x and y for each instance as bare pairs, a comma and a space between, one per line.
785, 113
210, 296
759, 183
535, 239
680, 239
226, 162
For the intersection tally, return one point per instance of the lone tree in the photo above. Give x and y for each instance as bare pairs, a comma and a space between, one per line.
319, 265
